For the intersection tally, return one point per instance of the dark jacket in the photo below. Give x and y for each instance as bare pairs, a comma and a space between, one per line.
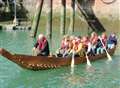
45, 51
112, 40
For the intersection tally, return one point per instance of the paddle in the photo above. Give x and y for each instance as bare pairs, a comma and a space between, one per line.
88, 61
108, 55
73, 62
34, 50
73, 57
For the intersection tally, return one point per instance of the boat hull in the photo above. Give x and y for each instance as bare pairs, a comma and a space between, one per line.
44, 62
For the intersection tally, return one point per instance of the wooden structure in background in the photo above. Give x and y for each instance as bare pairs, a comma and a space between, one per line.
63, 18
37, 17
49, 20
85, 6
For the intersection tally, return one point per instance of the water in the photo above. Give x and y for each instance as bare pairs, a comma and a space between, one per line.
101, 75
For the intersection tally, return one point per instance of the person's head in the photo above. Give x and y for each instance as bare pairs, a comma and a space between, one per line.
40, 37
66, 38
112, 35
74, 42
79, 37
104, 35
93, 34
84, 39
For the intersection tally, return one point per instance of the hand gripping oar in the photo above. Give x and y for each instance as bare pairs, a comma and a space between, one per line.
108, 55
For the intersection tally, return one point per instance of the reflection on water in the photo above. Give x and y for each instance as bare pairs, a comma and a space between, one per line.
90, 68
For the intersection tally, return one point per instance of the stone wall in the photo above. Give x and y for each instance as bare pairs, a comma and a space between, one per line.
101, 9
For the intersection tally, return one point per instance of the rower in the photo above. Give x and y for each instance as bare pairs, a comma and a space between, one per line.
100, 47
91, 44
63, 50
41, 47
112, 41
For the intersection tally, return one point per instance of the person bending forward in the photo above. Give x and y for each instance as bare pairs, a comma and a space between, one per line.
41, 48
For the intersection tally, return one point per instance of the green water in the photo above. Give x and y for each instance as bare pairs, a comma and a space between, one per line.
101, 75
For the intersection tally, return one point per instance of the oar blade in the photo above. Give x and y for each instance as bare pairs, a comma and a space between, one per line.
88, 61
109, 57
72, 63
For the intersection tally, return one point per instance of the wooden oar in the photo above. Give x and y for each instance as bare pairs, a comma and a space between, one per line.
34, 52
88, 61
108, 55
73, 60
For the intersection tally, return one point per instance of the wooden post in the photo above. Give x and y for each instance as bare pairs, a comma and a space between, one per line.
49, 20
72, 19
37, 17
63, 17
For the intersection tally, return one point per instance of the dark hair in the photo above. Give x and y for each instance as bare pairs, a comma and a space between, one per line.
79, 37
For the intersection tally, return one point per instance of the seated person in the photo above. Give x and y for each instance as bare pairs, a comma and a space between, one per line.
100, 47
89, 44
93, 41
112, 41
79, 49
64, 47
41, 47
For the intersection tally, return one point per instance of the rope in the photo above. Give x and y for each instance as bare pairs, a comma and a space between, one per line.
108, 1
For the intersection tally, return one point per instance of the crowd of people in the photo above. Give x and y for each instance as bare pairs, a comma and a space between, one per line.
80, 46
91, 45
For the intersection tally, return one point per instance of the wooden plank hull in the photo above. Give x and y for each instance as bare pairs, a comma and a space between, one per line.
44, 62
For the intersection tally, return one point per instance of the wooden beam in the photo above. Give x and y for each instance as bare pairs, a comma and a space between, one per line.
73, 15
49, 20
63, 17
72, 18
37, 17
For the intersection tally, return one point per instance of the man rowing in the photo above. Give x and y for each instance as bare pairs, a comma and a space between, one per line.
41, 48
112, 41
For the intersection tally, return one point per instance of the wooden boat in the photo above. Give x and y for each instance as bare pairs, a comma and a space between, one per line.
44, 62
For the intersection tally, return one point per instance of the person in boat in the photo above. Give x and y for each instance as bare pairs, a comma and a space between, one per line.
112, 41
41, 46
85, 41
100, 47
78, 47
87, 45
91, 44
68, 51
63, 50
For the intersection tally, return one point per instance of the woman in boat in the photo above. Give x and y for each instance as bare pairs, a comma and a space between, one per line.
85, 41
41, 46
78, 47
112, 41
63, 51
87, 46
100, 47
93, 41
69, 50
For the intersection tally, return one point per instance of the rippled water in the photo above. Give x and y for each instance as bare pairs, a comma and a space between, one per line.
101, 75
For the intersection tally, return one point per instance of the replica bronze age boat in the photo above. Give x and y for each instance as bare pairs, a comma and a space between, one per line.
44, 62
